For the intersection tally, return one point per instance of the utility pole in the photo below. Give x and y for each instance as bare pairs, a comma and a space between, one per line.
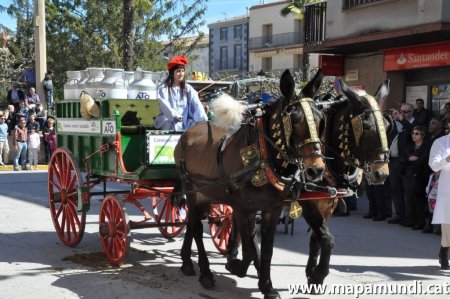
40, 47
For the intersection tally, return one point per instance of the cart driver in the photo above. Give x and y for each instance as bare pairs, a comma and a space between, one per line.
180, 106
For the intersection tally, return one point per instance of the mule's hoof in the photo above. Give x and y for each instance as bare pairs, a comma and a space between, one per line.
207, 281
187, 269
272, 295
315, 288
235, 267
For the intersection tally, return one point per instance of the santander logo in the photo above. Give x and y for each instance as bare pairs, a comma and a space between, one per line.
402, 59
414, 58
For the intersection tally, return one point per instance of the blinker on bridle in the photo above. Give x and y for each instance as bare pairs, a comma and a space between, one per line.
357, 128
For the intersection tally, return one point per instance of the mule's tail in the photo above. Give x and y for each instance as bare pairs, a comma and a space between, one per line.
228, 112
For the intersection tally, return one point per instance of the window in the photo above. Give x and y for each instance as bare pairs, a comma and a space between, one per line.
224, 33
238, 57
223, 58
348, 4
238, 32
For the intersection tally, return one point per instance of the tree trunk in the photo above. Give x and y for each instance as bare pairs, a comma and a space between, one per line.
305, 67
128, 34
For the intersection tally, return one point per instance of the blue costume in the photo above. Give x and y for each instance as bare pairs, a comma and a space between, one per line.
179, 113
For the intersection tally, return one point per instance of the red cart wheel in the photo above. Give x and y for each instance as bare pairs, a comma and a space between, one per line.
165, 212
114, 229
220, 221
64, 183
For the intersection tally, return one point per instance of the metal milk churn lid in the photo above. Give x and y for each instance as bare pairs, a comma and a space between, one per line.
71, 85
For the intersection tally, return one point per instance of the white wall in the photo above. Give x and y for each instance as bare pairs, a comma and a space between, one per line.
385, 15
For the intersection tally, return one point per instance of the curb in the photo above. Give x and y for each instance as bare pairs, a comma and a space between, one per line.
11, 168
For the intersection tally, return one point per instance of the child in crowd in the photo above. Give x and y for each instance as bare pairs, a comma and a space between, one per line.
49, 138
33, 123
34, 142
4, 146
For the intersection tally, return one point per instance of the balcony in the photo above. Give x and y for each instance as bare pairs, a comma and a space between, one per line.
275, 40
315, 23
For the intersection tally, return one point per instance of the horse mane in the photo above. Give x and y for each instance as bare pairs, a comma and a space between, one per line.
228, 112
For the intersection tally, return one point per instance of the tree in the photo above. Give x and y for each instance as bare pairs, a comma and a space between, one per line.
298, 7
107, 33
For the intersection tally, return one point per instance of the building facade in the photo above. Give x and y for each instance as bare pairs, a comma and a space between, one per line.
228, 47
275, 42
367, 41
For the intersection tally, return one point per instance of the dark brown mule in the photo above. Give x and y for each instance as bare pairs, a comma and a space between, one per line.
287, 124
355, 137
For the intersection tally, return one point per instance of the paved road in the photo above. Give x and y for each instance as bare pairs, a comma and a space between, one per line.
34, 263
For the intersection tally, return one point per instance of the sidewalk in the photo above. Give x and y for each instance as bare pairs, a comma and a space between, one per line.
11, 168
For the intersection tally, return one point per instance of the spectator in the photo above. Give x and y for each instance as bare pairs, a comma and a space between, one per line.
11, 118
20, 144
440, 161
15, 95
399, 140
4, 146
49, 138
41, 115
29, 76
435, 130
34, 142
23, 110
32, 123
48, 89
421, 114
32, 98
445, 116
416, 173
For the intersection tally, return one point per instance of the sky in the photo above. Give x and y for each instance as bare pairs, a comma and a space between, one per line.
216, 10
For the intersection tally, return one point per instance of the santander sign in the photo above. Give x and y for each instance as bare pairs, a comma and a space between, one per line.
417, 57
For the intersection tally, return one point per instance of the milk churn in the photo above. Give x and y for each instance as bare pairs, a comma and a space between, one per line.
95, 76
128, 77
81, 86
113, 85
71, 85
143, 88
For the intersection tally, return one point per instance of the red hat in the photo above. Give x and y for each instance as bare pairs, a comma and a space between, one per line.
177, 60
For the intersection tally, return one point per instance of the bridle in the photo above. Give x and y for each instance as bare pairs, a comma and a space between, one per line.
357, 128
281, 131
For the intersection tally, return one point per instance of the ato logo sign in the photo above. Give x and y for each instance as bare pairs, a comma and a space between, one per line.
109, 127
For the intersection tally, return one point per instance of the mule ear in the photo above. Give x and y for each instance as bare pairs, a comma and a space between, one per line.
287, 85
312, 87
354, 98
382, 91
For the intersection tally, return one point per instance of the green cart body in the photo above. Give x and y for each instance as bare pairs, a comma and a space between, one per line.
121, 145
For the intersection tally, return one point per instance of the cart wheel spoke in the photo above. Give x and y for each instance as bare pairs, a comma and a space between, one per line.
165, 212
220, 225
64, 184
114, 229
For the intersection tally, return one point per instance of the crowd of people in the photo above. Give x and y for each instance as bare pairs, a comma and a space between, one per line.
412, 179
25, 121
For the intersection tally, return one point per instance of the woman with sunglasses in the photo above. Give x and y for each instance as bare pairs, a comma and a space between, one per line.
417, 171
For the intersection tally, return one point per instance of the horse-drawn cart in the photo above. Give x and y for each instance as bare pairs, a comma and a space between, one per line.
120, 145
